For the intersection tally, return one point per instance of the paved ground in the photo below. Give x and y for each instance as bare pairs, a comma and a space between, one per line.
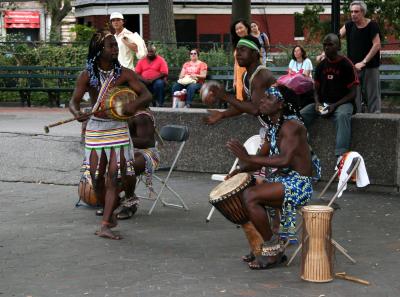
47, 246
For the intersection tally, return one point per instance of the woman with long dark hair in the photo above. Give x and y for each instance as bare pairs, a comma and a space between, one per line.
239, 29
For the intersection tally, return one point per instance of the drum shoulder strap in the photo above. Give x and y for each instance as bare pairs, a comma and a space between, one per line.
103, 91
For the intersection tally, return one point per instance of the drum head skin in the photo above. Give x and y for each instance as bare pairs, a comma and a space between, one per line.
317, 208
116, 98
229, 186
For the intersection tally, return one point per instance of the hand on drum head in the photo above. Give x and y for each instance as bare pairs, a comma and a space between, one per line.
233, 173
236, 148
211, 92
127, 108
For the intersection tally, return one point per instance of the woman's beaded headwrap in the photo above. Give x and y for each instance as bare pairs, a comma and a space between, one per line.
95, 49
275, 92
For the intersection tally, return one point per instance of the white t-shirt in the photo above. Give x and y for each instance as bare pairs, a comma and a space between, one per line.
125, 55
305, 65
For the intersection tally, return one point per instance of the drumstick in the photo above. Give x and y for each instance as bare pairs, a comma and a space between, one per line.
343, 275
47, 128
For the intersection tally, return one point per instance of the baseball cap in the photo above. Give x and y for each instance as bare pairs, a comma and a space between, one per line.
116, 15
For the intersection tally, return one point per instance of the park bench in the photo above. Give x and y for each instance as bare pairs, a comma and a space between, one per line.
57, 80
28, 79
390, 80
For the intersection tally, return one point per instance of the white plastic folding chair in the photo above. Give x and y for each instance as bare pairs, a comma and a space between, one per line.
252, 145
350, 171
169, 133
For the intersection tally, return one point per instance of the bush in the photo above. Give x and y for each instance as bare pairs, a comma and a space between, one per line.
83, 33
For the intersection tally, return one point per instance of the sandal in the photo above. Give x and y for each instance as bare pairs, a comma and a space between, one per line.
126, 212
100, 212
259, 263
249, 257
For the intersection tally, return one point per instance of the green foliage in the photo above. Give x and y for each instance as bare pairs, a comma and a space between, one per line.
216, 56
314, 29
83, 33
386, 13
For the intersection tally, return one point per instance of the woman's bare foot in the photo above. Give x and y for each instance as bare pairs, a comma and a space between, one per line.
106, 232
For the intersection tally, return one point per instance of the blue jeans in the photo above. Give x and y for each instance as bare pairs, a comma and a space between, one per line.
191, 90
157, 88
342, 118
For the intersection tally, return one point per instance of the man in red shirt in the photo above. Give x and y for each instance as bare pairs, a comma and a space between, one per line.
153, 72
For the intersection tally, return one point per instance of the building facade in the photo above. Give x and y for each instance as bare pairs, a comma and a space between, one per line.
31, 20
201, 20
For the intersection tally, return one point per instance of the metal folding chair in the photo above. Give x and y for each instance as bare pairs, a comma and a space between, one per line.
169, 133
352, 169
252, 145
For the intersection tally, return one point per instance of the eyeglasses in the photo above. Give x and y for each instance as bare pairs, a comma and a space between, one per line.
194, 53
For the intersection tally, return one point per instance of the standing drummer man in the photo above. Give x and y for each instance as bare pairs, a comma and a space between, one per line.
108, 155
288, 188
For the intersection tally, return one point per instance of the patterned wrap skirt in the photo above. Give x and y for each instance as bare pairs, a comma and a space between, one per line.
105, 135
298, 191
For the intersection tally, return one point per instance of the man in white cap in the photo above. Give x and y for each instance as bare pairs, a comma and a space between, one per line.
128, 42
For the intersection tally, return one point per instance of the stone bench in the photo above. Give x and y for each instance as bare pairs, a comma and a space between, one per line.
375, 137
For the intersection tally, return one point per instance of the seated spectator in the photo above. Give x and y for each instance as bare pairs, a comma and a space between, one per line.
300, 63
335, 90
153, 72
192, 76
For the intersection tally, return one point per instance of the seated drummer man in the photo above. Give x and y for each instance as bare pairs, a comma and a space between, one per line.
142, 130
107, 146
287, 149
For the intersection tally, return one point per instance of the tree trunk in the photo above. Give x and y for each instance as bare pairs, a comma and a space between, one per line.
58, 10
162, 25
241, 9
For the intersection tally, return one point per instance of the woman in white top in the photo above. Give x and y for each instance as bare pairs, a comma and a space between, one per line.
262, 38
300, 63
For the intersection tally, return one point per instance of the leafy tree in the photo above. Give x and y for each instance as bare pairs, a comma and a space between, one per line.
162, 26
314, 29
58, 10
386, 13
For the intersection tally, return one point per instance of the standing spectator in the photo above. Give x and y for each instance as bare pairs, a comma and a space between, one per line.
239, 29
262, 38
153, 71
300, 63
128, 42
335, 89
192, 76
363, 46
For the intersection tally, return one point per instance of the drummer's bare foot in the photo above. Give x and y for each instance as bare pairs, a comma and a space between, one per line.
106, 232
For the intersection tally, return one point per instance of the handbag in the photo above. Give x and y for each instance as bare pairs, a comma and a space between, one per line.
186, 80
297, 82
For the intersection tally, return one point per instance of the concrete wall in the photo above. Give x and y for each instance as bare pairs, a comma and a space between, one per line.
375, 137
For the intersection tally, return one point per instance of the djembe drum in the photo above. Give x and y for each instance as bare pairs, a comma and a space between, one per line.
87, 194
113, 102
227, 197
317, 252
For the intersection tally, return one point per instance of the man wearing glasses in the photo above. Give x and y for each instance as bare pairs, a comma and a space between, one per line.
128, 42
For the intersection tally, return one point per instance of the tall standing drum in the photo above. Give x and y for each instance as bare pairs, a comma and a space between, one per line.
317, 252
227, 197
